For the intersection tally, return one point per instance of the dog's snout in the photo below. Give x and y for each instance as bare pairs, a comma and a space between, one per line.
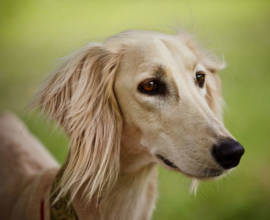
228, 153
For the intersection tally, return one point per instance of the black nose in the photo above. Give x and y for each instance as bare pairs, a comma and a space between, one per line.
228, 153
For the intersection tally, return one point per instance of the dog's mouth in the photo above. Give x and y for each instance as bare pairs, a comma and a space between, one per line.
167, 162
206, 174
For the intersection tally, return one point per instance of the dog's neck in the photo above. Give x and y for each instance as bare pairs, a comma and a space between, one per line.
134, 194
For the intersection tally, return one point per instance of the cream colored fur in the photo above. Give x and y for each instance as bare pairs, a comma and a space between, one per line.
115, 131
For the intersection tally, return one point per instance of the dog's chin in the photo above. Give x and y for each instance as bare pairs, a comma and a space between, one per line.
211, 173
207, 173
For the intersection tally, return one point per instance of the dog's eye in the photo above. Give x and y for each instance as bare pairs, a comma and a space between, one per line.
200, 78
152, 87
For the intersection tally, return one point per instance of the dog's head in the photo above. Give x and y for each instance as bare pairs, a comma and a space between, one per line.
170, 91
163, 88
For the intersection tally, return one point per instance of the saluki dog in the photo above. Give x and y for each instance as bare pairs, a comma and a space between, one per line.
138, 99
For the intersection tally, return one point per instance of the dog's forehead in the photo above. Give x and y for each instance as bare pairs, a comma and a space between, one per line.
165, 50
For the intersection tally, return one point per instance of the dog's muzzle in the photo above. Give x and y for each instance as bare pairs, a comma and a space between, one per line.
228, 153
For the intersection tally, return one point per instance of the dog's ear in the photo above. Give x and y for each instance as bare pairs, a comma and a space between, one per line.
211, 62
80, 97
208, 59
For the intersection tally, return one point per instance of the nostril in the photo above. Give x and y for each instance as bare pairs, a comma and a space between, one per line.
228, 153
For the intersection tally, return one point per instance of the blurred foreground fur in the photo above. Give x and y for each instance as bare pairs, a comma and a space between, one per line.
119, 127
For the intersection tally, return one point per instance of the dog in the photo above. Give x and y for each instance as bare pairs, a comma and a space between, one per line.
138, 99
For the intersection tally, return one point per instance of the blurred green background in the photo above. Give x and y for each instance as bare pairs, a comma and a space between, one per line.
34, 34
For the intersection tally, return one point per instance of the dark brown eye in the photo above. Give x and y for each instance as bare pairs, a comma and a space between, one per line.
152, 87
200, 78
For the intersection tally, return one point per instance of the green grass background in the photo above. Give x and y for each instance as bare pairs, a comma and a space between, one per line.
34, 34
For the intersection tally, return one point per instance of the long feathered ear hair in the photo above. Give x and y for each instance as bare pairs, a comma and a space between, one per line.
80, 97
212, 63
